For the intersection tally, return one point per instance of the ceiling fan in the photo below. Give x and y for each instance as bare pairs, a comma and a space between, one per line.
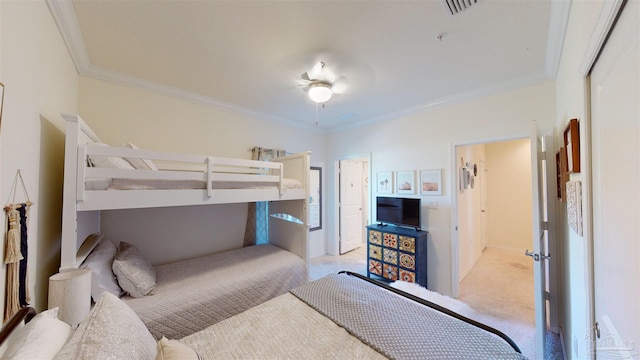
320, 83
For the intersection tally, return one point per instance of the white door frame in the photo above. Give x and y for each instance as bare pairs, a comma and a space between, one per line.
335, 249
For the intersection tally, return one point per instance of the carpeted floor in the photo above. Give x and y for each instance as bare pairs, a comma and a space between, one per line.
499, 289
354, 261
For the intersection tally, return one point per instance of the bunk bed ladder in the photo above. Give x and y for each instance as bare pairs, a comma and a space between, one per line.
209, 176
281, 181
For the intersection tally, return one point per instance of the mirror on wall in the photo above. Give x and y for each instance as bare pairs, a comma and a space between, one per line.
315, 198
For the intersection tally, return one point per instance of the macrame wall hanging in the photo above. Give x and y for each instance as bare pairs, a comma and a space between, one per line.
16, 250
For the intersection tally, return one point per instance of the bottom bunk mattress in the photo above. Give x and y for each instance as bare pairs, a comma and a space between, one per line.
192, 294
343, 317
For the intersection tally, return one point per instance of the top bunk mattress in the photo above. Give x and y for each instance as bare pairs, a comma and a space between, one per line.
193, 294
155, 184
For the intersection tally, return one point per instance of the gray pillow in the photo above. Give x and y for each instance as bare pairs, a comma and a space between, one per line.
111, 331
134, 273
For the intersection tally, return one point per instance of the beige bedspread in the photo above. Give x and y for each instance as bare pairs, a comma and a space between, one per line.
283, 328
342, 317
196, 293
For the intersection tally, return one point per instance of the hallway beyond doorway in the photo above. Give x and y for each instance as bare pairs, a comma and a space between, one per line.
500, 285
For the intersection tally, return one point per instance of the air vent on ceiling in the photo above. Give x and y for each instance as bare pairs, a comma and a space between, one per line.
456, 6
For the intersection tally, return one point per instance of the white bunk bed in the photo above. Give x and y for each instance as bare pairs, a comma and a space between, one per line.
202, 180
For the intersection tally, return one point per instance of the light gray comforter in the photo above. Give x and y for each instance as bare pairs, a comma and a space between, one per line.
199, 292
345, 318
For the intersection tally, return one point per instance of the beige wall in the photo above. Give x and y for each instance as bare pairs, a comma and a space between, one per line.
570, 93
509, 195
425, 140
469, 207
40, 83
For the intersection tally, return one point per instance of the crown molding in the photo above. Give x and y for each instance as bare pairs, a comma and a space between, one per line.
65, 17
558, 21
607, 19
461, 97
115, 77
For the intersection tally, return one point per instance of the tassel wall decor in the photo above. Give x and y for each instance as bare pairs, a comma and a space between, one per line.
14, 258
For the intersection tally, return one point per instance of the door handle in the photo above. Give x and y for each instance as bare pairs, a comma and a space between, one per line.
537, 257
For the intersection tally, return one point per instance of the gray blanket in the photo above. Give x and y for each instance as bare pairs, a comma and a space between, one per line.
396, 327
195, 293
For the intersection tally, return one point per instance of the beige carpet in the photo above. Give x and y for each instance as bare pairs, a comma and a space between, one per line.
501, 284
354, 261
500, 287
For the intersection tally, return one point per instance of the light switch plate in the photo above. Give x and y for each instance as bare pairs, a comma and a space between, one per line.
432, 204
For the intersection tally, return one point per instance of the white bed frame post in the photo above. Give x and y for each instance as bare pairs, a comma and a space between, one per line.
77, 132
289, 235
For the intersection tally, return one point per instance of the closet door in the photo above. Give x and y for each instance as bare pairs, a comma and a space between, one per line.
615, 129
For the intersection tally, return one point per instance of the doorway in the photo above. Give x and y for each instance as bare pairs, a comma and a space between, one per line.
494, 200
495, 227
352, 202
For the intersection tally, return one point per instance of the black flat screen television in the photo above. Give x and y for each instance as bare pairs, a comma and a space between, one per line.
398, 211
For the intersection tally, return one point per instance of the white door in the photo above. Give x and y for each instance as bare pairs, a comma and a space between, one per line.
351, 216
540, 162
615, 156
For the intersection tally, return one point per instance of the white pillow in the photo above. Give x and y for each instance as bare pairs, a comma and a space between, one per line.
102, 278
109, 161
111, 331
40, 338
174, 350
141, 164
134, 273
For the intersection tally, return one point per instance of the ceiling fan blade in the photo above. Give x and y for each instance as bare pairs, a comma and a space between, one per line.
340, 85
316, 72
305, 76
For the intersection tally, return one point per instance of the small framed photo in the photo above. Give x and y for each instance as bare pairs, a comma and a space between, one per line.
572, 146
385, 182
431, 182
406, 182
574, 205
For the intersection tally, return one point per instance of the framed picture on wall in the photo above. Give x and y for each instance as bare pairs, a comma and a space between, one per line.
406, 182
574, 206
572, 146
431, 182
384, 182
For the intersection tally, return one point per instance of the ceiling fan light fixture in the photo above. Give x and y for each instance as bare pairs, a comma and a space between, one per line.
320, 92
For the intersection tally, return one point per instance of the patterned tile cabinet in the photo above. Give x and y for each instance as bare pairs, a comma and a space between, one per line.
396, 253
